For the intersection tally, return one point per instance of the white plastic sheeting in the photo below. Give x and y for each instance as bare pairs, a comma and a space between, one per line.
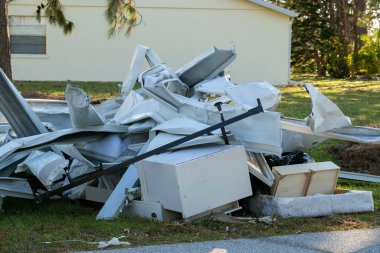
247, 94
325, 114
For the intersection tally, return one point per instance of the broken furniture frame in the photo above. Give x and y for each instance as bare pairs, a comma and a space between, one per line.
122, 166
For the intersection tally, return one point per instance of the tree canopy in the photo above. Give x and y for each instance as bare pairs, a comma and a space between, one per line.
335, 37
332, 36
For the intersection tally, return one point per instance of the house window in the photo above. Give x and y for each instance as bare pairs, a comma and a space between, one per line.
28, 36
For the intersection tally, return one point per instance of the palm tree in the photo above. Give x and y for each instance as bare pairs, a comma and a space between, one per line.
5, 51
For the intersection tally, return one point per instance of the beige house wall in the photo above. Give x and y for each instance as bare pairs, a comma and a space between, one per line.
178, 30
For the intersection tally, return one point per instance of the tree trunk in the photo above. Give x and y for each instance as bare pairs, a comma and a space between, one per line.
317, 59
332, 18
359, 7
343, 16
339, 20
346, 21
5, 47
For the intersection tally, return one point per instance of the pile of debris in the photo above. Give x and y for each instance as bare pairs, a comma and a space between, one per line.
184, 145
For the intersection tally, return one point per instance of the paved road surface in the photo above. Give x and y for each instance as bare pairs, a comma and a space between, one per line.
364, 240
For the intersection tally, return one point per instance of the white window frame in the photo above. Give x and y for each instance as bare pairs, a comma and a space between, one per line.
36, 29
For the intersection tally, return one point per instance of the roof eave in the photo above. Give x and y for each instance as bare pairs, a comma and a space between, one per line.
276, 8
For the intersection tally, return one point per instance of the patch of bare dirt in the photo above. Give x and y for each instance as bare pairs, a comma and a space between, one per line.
361, 158
38, 95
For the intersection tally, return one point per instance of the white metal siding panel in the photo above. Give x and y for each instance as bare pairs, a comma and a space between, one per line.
192, 4
176, 34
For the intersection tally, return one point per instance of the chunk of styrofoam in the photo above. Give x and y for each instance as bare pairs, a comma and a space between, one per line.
313, 206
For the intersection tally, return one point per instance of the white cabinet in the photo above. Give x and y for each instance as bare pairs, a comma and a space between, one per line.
192, 181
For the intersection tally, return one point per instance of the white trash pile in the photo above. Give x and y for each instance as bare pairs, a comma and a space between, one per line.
186, 144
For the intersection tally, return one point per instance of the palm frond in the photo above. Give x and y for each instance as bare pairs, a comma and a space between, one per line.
54, 13
121, 15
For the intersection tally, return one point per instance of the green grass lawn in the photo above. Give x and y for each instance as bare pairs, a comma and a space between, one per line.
98, 91
25, 225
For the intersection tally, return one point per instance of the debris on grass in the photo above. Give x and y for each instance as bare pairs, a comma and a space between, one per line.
185, 144
115, 241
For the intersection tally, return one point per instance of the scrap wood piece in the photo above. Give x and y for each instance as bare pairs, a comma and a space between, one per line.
305, 179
